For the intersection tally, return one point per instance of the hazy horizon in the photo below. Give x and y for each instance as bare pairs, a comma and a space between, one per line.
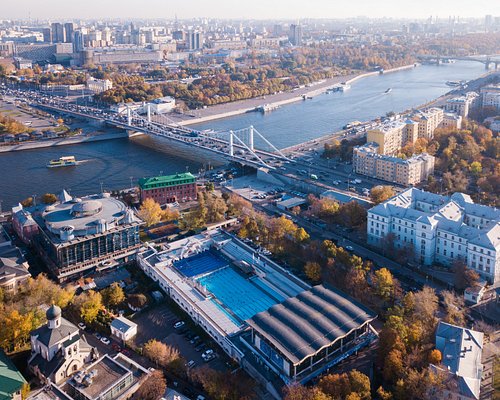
258, 9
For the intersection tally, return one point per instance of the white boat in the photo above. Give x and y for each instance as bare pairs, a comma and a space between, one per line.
67, 161
388, 91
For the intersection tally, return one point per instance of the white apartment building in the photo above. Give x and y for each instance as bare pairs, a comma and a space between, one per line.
440, 229
451, 121
490, 97
428, 120
462, 105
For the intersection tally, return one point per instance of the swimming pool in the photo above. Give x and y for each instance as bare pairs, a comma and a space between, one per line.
237, 293
199, 264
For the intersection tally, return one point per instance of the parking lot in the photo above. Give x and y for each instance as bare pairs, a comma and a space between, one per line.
250, 187
158, 323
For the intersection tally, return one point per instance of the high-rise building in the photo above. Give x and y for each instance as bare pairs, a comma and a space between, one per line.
195, 40
488, 22
58, 32
69, 28
78, 41
295, 34
47, 35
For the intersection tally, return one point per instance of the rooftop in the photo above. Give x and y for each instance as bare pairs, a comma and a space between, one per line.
166, 180
11, 379
319, 316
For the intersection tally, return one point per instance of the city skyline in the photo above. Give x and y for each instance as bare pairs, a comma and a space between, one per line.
280, 9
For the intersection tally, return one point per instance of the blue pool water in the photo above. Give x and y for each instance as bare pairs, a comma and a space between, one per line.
239, 295
256, 281
201, 263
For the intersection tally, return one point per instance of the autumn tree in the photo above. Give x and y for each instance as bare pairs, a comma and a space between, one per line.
383, 283
137, 300
113, 295
224, 385
153, 387
88, 305
381, 193
160, 353
454, 306
28, 202
49, 198
313, 271
435, 357
170, 214
299, 392
150, 212
464, 277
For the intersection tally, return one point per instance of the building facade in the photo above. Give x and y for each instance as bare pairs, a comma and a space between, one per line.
99, 85
367, 161
169, 188
440, 229
462, 105
94, 232
490, 97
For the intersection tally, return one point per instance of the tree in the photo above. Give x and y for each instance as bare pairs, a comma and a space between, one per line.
216, 209
337, 386
426, 306
393, 366
153, 388
137, 300
383, 394
113, 295
381, 193
435, 357
28, 202
463, 276
89, 304
384, 283
150, 212
476, 168
454, 307
299, 392
160, 353
313, 271
49, 198
170, 214
301, 235
360, 384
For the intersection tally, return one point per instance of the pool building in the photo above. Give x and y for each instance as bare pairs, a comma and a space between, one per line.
251, 307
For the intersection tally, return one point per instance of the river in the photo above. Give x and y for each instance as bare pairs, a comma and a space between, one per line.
114, 162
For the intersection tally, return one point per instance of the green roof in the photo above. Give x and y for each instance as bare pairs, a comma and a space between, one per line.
166, 180
11, 379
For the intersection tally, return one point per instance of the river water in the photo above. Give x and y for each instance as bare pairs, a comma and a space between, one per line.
114, 162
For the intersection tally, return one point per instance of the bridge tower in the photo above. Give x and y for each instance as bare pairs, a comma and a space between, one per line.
149, 112
250, 138
487, 63
129, 116
231, 143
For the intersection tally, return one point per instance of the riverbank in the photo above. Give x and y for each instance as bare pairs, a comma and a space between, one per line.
62, 142
280, 99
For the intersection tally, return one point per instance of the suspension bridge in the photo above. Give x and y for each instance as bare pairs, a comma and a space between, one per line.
233, 145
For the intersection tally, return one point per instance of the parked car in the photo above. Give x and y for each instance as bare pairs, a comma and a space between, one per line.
82, 326
349, 248
179, 324
105, 340
190, 364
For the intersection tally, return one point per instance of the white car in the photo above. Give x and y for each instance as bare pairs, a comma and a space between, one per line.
349, 248
105, 340
82, 326
179, 324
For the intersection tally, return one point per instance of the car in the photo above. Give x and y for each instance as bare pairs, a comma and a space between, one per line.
179, 324
190, 364
200, 347
200, 397
349, 248
115, 347
194, 340
98, 335
105, 340
82, 326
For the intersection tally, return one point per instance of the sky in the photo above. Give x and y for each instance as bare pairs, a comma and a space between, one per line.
238, 9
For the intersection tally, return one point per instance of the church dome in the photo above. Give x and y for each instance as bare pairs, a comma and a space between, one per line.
53, 312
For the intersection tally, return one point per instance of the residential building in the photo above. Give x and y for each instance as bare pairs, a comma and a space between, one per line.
11, 380
57, 349
428, 120
13, 266
295, 35
58, 33
461, 350
169, 188
440, 229
80, 234
99, 85
490, 97
69, 28
23, 223
367, 161
462, 105
390, 137
451, 121
195, 40
123, 329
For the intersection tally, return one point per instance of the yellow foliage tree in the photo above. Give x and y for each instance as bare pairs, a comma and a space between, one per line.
150, 212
